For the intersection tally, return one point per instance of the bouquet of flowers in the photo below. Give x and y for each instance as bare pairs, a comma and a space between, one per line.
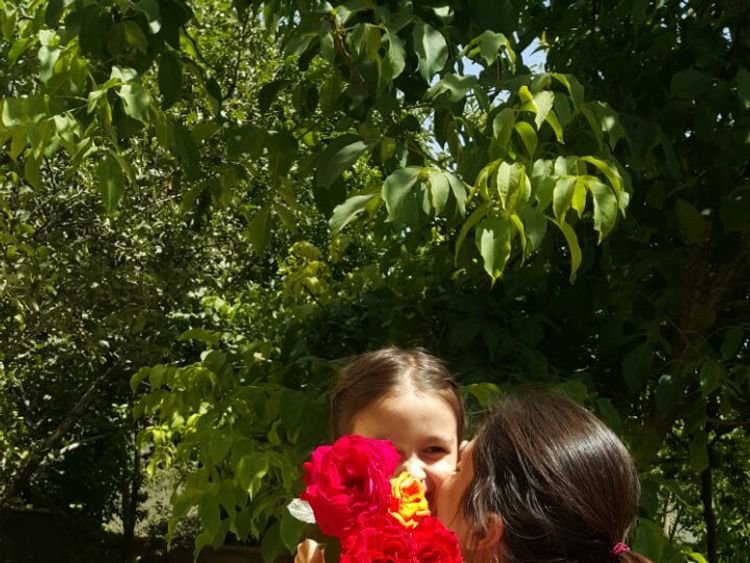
375, 518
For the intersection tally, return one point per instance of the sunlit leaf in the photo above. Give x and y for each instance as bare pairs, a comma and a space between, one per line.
492, 238
431, 49
111, 181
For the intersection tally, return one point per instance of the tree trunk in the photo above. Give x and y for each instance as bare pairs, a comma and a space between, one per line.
709, 517
130, 505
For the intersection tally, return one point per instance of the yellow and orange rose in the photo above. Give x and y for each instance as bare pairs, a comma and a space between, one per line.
408, 502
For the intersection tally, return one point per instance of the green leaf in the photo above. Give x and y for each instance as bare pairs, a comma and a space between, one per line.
575, 250
203, 130
528, 136
543, 101
221, 441
31, 171
282, 151
691, 222
395, 58
135, 100
53, 13
666, 394
535, 227
48, 57
200, 334
563, 196
246, 139
150, 8
439, 190
553, 122
610, 414
689, 83
743, 87
611, 173
497, 15
269, 94
573, 86
458, 188
170, 79
486, 393
649, 539
396, 188
250, 471
201, 541
345, 212
134, 36
515, 220
209, 514
490, 44
473, 219
508, 178
710, 376
340, 154
291, 408
14, 111
290, 531
456, 87
186, 150
431, 49
636, 366
732, 342
492, 238
259, 230
578, 202
502, 128
111, 181
364, 40
271, 546
605, 207
699, 452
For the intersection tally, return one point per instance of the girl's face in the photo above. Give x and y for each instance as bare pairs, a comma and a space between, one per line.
422, 427
449, 499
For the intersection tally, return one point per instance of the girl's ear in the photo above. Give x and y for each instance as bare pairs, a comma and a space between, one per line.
462, 448
490, 541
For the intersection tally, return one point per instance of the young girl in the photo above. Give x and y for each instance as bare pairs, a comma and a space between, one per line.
406, 396
543, 481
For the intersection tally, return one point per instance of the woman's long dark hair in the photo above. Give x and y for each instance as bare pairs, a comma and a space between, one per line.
562, 483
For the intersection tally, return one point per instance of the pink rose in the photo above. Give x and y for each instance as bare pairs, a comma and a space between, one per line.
434, 543
378, 538
347, 479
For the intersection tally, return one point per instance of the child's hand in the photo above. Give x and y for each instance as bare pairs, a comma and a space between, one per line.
309, 551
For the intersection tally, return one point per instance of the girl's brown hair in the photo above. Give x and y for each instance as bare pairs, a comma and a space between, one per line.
562, 483
369, 377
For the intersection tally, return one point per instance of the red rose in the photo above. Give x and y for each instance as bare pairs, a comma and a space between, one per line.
349, 478
434, 543
378, 538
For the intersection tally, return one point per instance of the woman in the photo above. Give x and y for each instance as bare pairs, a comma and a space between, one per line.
544, 481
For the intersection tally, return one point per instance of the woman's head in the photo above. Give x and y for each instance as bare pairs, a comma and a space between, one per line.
544, 480
406, 396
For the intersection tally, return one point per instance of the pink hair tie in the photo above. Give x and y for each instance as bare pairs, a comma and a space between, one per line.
619, 547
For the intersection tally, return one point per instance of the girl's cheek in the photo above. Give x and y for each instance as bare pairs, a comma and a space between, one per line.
440, 471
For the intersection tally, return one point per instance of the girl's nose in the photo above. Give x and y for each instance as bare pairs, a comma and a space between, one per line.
415, 468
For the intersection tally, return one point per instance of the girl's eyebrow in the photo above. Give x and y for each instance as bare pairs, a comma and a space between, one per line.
437, 438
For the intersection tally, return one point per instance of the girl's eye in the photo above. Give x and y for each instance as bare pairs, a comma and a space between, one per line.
436, 450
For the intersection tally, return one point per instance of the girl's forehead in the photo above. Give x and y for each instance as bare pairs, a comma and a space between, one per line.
417, 400
408, 413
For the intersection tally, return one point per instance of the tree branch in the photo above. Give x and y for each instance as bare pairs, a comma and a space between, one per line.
36, 458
